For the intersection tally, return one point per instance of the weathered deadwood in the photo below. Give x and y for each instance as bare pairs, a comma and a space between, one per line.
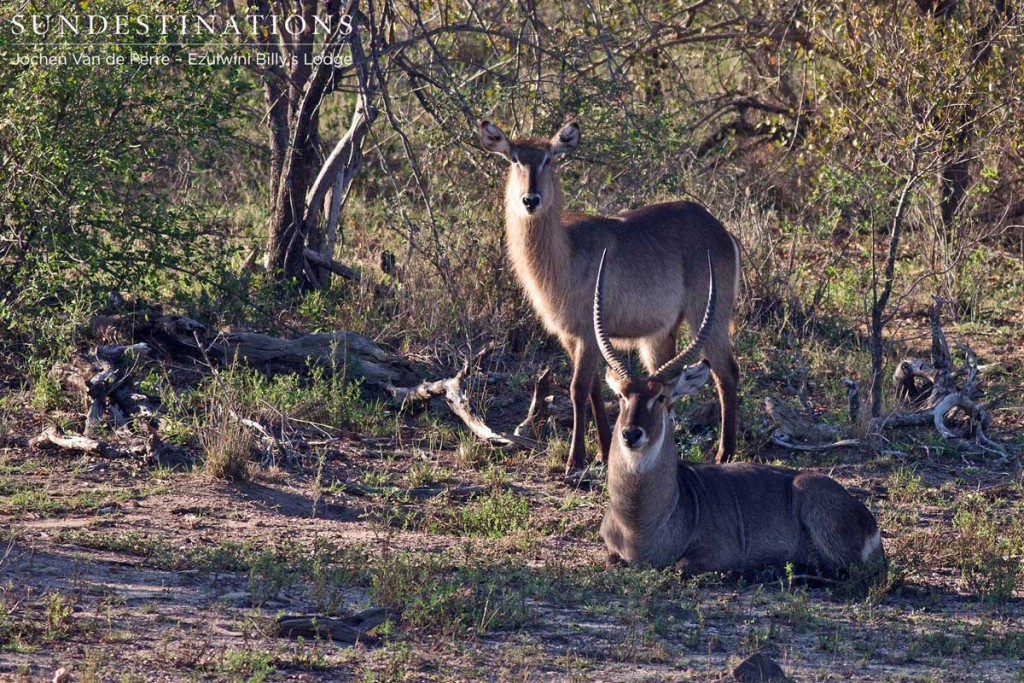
914, 419
119, 353
101, 382
781, 439
350, 630
424, 391
356, 355
938, 391
532, 425
796, 426
905, 380
182, 337
326, 263
132, 403
957, 400
456, 399
852, 400
938, 416
71, 442
461, 406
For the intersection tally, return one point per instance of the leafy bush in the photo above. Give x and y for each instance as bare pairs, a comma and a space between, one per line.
98, 191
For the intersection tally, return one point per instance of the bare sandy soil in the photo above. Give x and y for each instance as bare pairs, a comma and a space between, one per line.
119, 572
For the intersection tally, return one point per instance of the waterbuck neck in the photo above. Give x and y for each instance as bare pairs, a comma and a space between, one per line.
644, 498
539, 245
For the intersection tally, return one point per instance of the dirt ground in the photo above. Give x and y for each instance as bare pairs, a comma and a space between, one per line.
156, 580
118, 569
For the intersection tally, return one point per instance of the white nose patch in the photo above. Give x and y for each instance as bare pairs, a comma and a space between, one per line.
642, 457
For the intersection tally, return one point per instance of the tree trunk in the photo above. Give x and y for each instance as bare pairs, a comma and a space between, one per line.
288, 236
301, 175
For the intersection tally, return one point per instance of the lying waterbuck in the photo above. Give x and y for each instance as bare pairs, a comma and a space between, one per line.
657, 279
732, 518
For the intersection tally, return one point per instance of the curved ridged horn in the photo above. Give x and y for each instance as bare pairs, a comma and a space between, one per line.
603, 342
672, 368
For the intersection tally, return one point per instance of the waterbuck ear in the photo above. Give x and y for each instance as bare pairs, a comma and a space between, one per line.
615, 383
493, 140
566, 140
691, 379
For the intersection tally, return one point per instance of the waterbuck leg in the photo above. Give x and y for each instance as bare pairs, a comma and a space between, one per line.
604, 432
654, 354
726, 372
585, 364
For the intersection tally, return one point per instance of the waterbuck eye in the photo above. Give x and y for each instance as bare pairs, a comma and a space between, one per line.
661, 399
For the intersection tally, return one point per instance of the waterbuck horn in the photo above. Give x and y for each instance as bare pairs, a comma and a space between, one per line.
603, 342
669, 370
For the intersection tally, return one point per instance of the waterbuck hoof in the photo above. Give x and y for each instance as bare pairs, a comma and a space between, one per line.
614, 560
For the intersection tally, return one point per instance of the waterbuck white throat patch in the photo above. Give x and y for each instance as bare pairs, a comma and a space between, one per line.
641, 460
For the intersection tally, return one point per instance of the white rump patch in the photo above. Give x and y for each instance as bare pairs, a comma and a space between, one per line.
870, 546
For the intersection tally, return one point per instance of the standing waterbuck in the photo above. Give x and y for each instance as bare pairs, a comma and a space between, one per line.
657, 281
731, 518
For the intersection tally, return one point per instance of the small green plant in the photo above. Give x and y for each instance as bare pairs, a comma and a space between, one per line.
268, 575
905, 487
47, 393
425, 473
987, 553
59, 612
556, 456
496, 477
435, 596
249, 666
495, 515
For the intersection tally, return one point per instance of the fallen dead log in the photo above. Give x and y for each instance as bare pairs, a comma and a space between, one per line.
350, 630
346, 352
71, 442
459, 404
181, 338
798, 432
103, 382
795, 426
781, 439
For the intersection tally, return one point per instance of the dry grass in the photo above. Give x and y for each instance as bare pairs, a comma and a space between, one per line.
227, 444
